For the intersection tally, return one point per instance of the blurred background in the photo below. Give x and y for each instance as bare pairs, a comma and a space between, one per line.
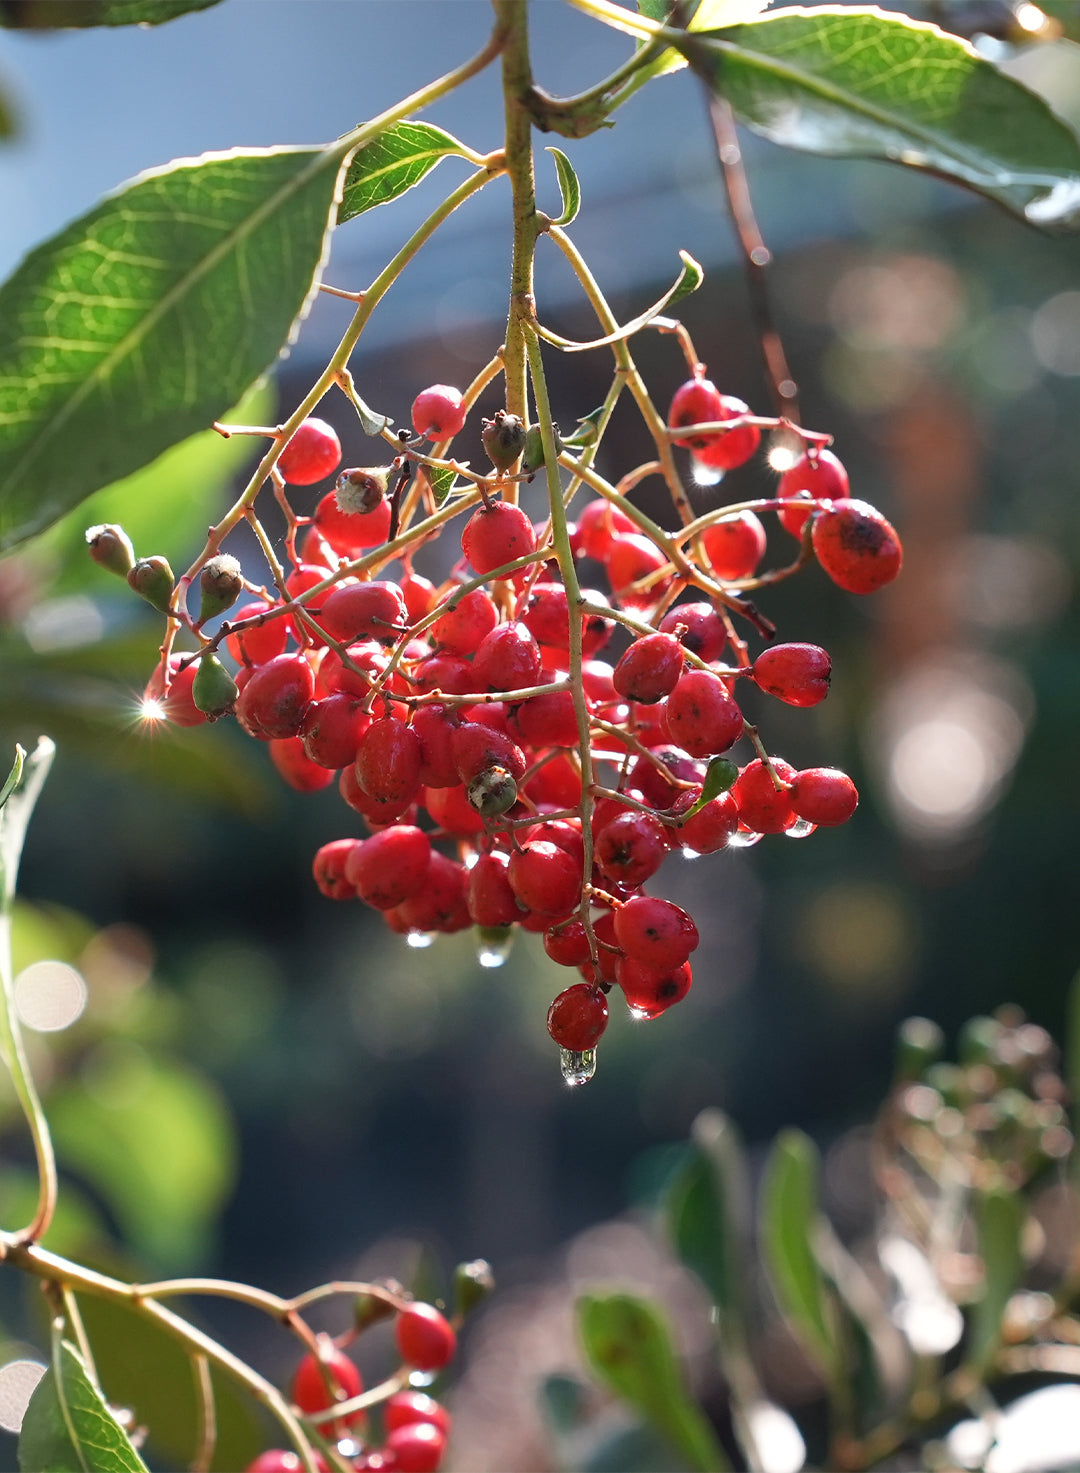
249, 1081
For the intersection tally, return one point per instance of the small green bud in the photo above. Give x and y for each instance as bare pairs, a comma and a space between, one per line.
152, 579
473, 1282
220, 583
369, 1309
213, 690
361, 490
919, 1043
504, 439
492, 792
110, 547
533, 457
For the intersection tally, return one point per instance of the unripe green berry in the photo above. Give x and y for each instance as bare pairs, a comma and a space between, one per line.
473, 1282
369, 1309
362, 489
492, 792
533, 455
213, 690
152, 579
220, 584
110, 547
504, 439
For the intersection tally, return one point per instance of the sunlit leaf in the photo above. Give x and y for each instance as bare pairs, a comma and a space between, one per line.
391, 164
709, 15
999, 1224
144, 321
442, 482
862, 83
60, 14
69, 1429
689, 279
155, 1139
789, 1212
569, 187
628, 1345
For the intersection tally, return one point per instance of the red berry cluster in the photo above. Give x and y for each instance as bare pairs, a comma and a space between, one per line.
415, 1427
507, 773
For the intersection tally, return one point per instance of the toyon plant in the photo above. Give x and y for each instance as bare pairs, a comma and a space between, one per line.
524, 742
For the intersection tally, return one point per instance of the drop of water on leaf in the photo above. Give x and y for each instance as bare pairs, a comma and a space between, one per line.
801, 829
420, 940
577, 1068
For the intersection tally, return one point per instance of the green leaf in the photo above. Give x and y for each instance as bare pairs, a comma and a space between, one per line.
709, 15
11, 782
707, 1211
999, 1224
391, 164
52, 15
862, 83
627, 1344
720, 775
442, 481
148, 318
68, 1428
371, 422
789, 1213
569, 187
156, 1141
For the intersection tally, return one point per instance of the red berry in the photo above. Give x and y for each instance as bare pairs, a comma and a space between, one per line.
312, 453
507, 659
465, 624
351, 533
823, 795
548, 619
451, 810
438, 412
332, 728
577, 1017
696, 402
598, 523
701, 716
388, 760
435, 729
296, 767
261, 642
735, 447
390, 867
276, 697
328, 868
376, 812
761, 807
567, 944
488, 895
655, 787
440, 904
405, 1408
631, 848
650, 992
179, 705
451, 674
277, 1460
545, 878
497, 534
425, 1338
821, 477
476, 748
548, 720
363, 611
319, 1383
711, 828
795, 673
631, 558
419, 595
856, 546
557, 782
655, 932
415, 1448
649, 669
735, 546
698, 628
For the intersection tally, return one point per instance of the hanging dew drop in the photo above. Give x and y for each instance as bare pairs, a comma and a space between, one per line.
577, 1068
744, 839
801, 829
493, 945
420, 940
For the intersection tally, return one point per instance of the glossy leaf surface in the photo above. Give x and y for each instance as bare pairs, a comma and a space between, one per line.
68, 1428
391, 164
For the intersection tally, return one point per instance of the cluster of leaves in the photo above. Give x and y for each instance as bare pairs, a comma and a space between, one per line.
957, 1286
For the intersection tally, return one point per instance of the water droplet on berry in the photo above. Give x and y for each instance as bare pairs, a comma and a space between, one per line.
802, 828
744, 839
638, 1014
577, 1068
690, 853
420, 940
